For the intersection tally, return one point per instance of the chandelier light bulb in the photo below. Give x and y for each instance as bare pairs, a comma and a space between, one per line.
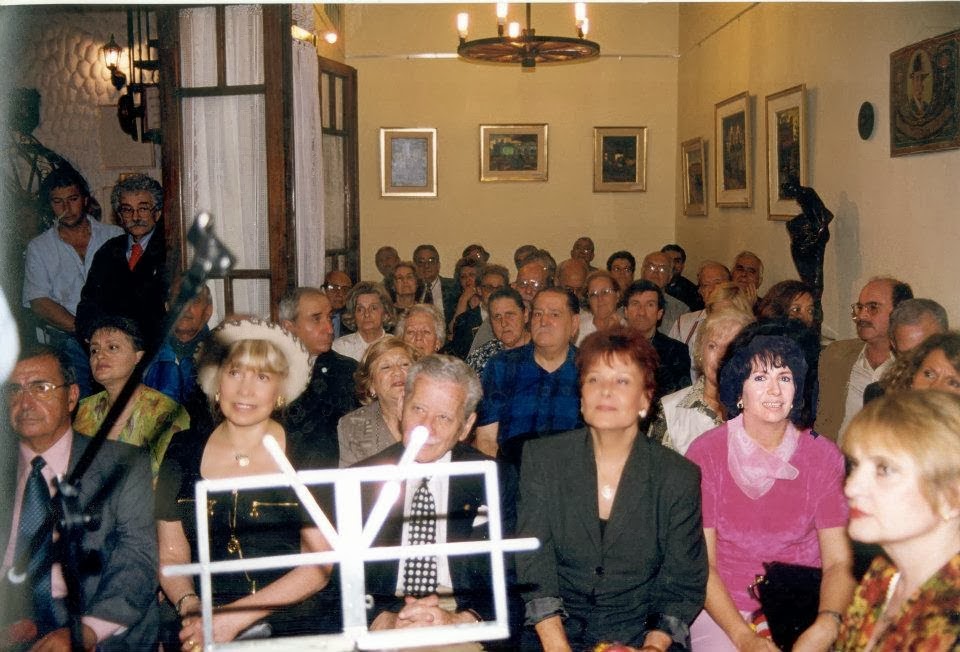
514, 30
463, 22
580, 11
501, 13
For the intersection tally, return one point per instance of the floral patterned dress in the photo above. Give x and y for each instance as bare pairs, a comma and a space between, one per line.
929, 620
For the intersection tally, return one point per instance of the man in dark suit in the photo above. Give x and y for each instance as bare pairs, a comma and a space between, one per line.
307, 313
440, 291
118, 573
643, 306
441, 394
128, 275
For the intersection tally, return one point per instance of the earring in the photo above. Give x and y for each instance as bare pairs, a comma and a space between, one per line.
281, 402
740, 404
643, 414
216, 397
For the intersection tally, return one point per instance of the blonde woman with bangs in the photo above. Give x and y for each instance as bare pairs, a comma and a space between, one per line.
904, 494
250, 370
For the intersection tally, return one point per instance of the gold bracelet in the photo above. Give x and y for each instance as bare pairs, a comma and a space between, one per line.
184, 597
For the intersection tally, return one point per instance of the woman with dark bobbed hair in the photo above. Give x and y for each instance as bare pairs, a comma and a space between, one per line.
404, 286
622, 555
792, 299
771, 492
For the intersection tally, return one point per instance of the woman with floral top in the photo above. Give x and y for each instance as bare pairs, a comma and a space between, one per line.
904, 494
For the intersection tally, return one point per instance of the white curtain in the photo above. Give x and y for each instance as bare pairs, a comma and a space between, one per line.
308, 164
224, 146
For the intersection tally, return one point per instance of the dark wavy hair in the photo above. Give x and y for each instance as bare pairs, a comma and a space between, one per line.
123, 325
776, 302
756, 342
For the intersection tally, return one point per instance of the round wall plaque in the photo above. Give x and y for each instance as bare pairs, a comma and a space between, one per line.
865, 120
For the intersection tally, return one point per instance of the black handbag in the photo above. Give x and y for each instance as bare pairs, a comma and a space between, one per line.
789, 596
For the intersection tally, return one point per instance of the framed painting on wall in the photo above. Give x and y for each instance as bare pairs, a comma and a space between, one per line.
513, 152
733, 140
694, 177
924, 96
408, 162
786, 148
619, 159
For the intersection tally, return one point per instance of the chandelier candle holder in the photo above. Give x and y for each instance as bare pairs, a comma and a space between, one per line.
514, 45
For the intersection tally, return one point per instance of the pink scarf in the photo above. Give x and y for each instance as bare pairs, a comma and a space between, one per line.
753, 468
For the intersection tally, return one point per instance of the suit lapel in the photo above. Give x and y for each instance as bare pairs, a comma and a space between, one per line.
583, 489
631, 493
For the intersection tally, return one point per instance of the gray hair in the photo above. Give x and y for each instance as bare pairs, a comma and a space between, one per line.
749, 254
367, 287
711, 263
911, 311
426, 309
494, 269
289, 308
449, 369
136, 183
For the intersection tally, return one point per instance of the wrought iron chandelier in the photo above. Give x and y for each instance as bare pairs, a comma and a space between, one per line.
523, 46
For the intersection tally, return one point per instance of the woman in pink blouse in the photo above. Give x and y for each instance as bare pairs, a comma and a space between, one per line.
771, 492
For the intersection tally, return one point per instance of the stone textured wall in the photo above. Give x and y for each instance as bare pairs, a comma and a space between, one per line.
64, 64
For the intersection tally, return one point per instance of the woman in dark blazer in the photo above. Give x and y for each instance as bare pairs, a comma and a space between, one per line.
622, 555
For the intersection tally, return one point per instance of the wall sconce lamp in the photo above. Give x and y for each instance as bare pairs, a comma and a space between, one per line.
111, 57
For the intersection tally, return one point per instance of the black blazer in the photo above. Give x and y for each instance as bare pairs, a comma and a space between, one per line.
470, 573
117, 489
647, 571
113, 289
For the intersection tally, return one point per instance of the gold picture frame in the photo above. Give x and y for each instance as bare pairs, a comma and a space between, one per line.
694, 177
733, 143
786, 118
408, 162
513, 152
619, 159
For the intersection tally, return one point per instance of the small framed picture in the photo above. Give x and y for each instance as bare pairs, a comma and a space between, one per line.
619, 159
408, 162
924, 96
513, 152
733, 140
694, 177
786, 149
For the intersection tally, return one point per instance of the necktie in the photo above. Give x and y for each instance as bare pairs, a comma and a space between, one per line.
428, 296
420, 573
34, 511
135, 254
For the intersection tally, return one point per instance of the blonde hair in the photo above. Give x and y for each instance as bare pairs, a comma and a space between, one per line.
724, 320
922, 424
732, 293
259, 355
363, 376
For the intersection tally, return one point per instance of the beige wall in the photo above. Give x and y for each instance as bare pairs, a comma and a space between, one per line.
640, 88
892, 215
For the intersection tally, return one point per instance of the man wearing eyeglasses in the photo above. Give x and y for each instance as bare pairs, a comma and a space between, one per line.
442, 292
848, 366
337, 286
57, 263
658, 269
119, 606
128, 275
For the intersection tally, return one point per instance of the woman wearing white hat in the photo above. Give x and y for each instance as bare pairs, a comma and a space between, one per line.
249, 370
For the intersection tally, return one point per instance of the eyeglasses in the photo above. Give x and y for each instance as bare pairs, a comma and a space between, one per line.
650, 267
486, 287
419, 334
40, 389
531, 284
141, 211
433, 260
602, 293
872, 308
336, 288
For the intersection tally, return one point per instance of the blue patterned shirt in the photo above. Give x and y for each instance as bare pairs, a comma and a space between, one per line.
525, 399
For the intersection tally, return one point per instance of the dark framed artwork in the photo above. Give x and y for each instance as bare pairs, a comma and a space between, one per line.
786, 148
694, 177
408, 162
513, 152
924, 97
734, 141
619, 159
